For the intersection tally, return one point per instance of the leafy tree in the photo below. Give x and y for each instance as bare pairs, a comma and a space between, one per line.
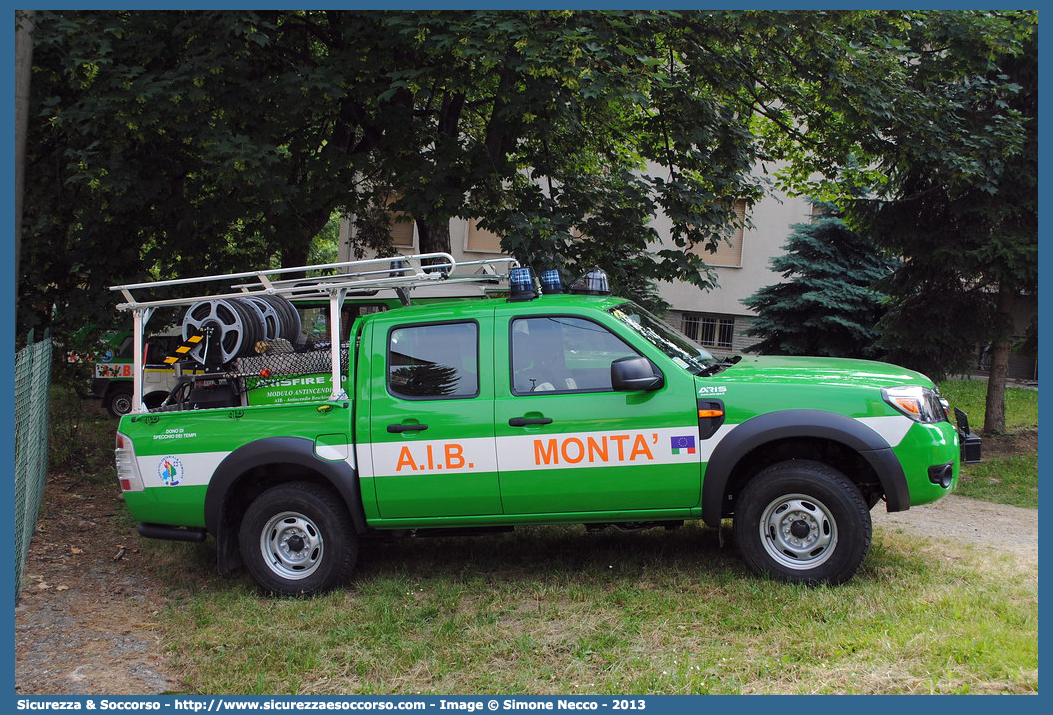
152, 155
940, 111
194, 141
969, 233
827, 306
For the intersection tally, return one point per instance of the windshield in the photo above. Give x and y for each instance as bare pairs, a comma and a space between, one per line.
683, 351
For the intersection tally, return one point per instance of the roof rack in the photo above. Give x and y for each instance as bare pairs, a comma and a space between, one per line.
396, 276
398, 271
402, 273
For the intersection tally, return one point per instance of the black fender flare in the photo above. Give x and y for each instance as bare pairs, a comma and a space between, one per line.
274, 450
786, 424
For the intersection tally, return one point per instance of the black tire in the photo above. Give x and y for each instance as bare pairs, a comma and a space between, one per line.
118, 400
802, 522
290, 317
298, 539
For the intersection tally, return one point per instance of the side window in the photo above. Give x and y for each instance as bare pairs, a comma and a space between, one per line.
434, 361
563, 354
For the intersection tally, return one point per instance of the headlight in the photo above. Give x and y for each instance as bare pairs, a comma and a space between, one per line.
918, 403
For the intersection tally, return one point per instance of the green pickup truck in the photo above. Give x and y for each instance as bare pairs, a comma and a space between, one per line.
551, 408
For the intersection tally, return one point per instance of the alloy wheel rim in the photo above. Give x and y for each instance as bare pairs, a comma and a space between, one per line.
798, 531
292, 545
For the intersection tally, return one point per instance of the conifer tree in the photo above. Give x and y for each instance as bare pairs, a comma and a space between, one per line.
827, 306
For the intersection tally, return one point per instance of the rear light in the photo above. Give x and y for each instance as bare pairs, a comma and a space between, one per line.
127, 465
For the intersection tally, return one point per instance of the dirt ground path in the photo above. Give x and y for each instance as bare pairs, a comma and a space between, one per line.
87, 620
970, 522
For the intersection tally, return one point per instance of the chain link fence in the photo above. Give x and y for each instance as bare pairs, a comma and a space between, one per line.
32, 402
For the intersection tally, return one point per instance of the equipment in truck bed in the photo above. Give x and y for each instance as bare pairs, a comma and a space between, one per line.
247, 333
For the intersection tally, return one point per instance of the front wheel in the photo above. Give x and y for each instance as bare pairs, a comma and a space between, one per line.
119, 401
803, 522
298, 539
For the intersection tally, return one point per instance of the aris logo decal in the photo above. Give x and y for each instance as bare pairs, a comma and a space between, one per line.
170, 469
709, 390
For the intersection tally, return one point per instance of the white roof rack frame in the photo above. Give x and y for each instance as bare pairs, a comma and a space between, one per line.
399, 272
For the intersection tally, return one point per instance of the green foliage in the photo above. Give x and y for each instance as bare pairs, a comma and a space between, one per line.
827, 306
154, 153
188, 142
1008, 471
325, 247
962, 208
81, 431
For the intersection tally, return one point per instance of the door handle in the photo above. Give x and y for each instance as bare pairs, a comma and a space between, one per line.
524, 421
396, 429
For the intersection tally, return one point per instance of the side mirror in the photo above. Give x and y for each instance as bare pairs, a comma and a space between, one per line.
634, 373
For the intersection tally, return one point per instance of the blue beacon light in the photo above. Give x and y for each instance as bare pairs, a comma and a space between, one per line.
521, 284
550, 282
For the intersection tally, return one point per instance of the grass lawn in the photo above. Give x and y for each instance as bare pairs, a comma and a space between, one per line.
1021, 404
557, 611
1008, 473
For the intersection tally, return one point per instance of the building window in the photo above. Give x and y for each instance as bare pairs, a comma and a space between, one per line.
402, 226
725, 332
689, 325
708, 330
728, 253
401, 232
821, 211
707, 333
481, 240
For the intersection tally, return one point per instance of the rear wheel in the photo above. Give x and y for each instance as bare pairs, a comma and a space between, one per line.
804, 522
298, 539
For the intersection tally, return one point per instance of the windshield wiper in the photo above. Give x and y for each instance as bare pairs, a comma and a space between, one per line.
715, 367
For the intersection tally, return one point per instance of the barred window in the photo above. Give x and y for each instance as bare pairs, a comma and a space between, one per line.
707, 335
689, 325
708, 330
726, 332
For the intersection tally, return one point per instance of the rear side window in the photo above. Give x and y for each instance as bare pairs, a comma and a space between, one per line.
436, 361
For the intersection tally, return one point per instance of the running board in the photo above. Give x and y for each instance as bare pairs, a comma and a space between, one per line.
171, 533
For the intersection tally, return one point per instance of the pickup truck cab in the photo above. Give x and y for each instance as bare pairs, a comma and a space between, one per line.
551, 409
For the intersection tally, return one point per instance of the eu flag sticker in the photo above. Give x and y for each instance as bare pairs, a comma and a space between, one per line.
686, 442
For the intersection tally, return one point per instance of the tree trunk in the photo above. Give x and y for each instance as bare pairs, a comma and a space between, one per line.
994, 416
434, 237
23, 73
296, 252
